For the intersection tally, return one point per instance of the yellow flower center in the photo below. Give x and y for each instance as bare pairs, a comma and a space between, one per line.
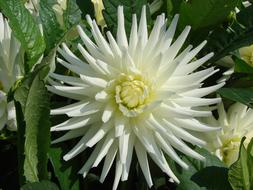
246, 54
131, 94
230, 150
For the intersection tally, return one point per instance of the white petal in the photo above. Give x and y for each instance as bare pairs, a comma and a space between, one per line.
81, 145
100, 40
102, 96
181, 146
65, 109
77, 68
176, 46
93, 49
129, 153
183, 134
113, 44
193, 124
94, 81
203, 91
143, 161
123, 146
100, 134
108, 161
121, 33
68, 80
87, 108
118, 173
143, 31
108, 112
120, 122
74, 123
86, 167
170, 151
75, 93
168, 37
133, 36
71, 134
109, 140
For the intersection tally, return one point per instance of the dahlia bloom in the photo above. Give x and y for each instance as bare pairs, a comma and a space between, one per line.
246, 54
236, 123
10, 71
140, 95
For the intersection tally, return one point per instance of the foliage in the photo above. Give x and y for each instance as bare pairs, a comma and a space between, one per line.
240, 174
25, 29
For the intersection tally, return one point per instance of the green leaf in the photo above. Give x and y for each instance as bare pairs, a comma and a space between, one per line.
86, 8
212, 177
240, 173
25, 29
222, 41
72, 15
66, 172
130, 7
53, 32
241, 66
192, 178
243, 95
43, 185
51, 28
33, 120
205, 14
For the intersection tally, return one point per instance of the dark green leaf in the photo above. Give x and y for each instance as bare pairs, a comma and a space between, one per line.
190, 179
86, 8
25, 29
66, 172
54, 33
212, 177
32, 99
204, 14
240, 173
52, 30
243, 95
222, 41
241, 66
72, 15
130, 7
43, 185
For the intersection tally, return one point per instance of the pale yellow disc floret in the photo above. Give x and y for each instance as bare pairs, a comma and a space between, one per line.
131, 94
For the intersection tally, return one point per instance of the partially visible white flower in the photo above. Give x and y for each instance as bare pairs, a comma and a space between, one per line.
11, 69
59, 9
99, 7
140, 94
236, 123
246, 54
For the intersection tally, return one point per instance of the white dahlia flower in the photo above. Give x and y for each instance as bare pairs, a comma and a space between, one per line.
10, 71
246, 54
236, 123
141, 94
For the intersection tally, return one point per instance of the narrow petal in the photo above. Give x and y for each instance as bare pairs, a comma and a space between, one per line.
81, 145
121, 33
118, 173
143, 161
108, 161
